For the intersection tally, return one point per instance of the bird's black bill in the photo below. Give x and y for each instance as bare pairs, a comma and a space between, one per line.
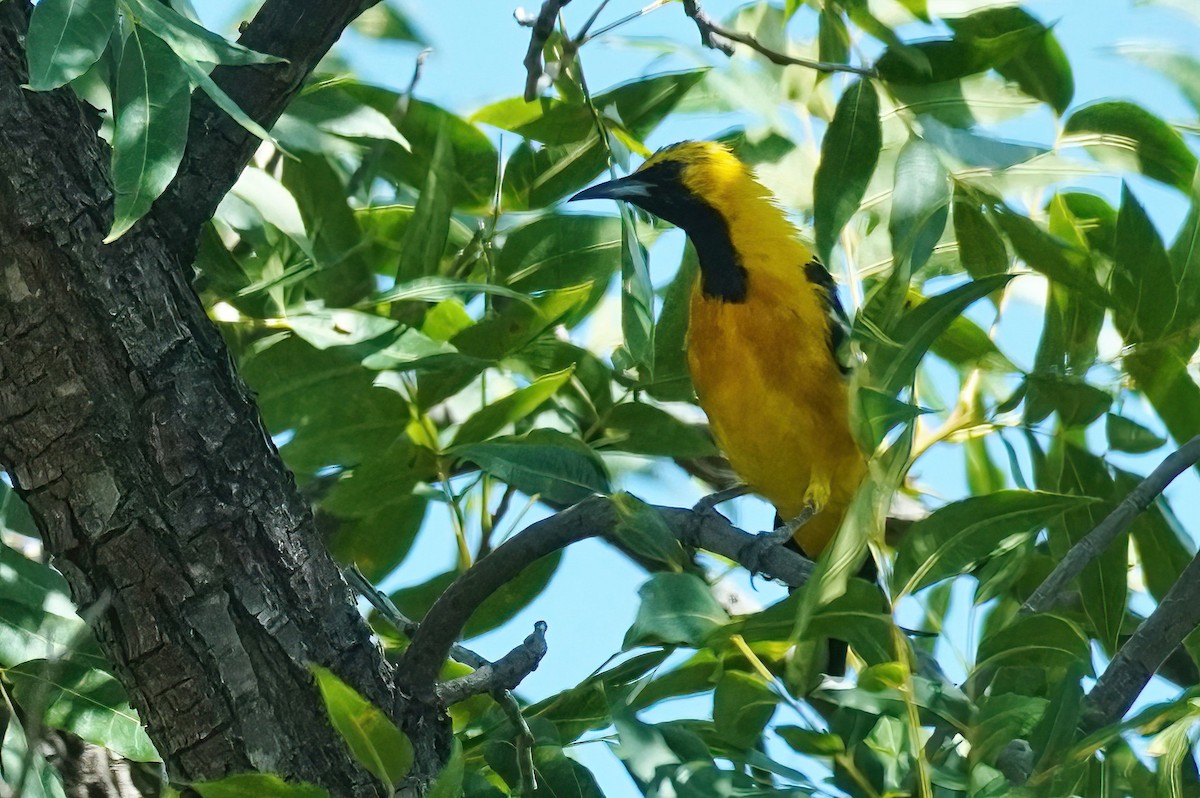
629, 188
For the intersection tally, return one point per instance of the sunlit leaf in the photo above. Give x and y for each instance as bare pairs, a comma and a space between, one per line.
519, 404
374, 740
545, 462
425, 237
676, 608
65, 38
194, 42
920, 204
743, 704
1127, 136
255, 785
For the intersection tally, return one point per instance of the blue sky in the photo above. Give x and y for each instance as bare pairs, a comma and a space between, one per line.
477, 52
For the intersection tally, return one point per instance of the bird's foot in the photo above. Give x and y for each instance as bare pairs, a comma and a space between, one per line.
710, 502
756, 552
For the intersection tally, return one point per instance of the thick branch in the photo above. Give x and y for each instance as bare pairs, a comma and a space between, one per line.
1052, 589
218, 148
596, 516
717, 37
1126, 676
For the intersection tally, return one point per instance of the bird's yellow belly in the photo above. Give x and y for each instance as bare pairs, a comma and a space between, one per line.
778, 407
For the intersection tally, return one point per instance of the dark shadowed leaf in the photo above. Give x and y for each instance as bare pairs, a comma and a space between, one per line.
676, 608
65, 38
374, 740
545, 462
743, 704
811, 743
37, 618
849, 152
556, 251
641, 531
1126, 435
645, 429
1126, 136
672, 382
1044, 640
21, 762
1142, 284
958, 536
425, 236
980, 247
513, 596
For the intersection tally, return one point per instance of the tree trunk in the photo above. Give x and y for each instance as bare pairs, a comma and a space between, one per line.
159, 493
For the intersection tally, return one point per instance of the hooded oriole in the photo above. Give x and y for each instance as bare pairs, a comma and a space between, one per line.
767, 341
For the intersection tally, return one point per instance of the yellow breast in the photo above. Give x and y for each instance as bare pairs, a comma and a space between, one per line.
776, 400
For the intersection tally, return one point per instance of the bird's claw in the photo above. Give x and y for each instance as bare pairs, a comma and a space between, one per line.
709, 503
755, 553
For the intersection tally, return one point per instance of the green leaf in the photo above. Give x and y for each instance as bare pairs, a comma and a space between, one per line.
1181, 68
743, 704
449, 781
200, 78
545, 119
849, 152
973, 149
1126, 136
916, 331
556, 250
65, 38
1039, 65
22, 763
545, 463
374, 740
833, 38
193, 42
878, 413
1040, 640
1164, 547
920, 204
519, 404
676, 608
151, 109
384, 21
1142, 283
956, 537
513, 596
1126, 435
256, 785
811, 743
83, 700
645, 429
379, 540
425, 236
1002, 719
642, 532
637, 296
672, 381
37, 618
1049, 254
332, 108
472, 183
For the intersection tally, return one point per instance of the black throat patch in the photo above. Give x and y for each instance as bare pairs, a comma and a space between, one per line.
722, 275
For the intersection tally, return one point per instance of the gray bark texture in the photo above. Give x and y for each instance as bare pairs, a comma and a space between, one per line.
141, 454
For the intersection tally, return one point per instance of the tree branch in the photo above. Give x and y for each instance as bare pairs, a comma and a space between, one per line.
543, 26
503, 675
218, 148
1050, 592
596, 516
1126, 676
717, 37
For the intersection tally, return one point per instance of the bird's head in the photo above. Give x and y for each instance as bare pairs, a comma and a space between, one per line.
683, 184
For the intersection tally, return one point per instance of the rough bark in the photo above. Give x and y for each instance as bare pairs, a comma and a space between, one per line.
141, 454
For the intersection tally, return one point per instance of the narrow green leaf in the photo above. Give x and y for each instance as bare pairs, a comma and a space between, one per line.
151, 109
954, 538
1126, 435
645, 429
676, 608
920, 204
743, 704
637, 297
519, 404
1050, 255
811, 743
83, 700
641, 532
193, 42
672, 381
256, 785
1126, 136
65, 38
374, 740
1142, 283
425, 237
545, 462
384, 21
199, 77
849, 152
833, 38
1042, 640
513, 596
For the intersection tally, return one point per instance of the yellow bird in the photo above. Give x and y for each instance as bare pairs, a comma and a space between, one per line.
768, 340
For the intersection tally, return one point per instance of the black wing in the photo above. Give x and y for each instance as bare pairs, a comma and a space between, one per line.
838, 322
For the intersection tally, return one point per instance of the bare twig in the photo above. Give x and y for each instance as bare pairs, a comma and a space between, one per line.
1126, 676
523, 741
500, 676
542, 28
717, 37
596, 516
1051, 590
